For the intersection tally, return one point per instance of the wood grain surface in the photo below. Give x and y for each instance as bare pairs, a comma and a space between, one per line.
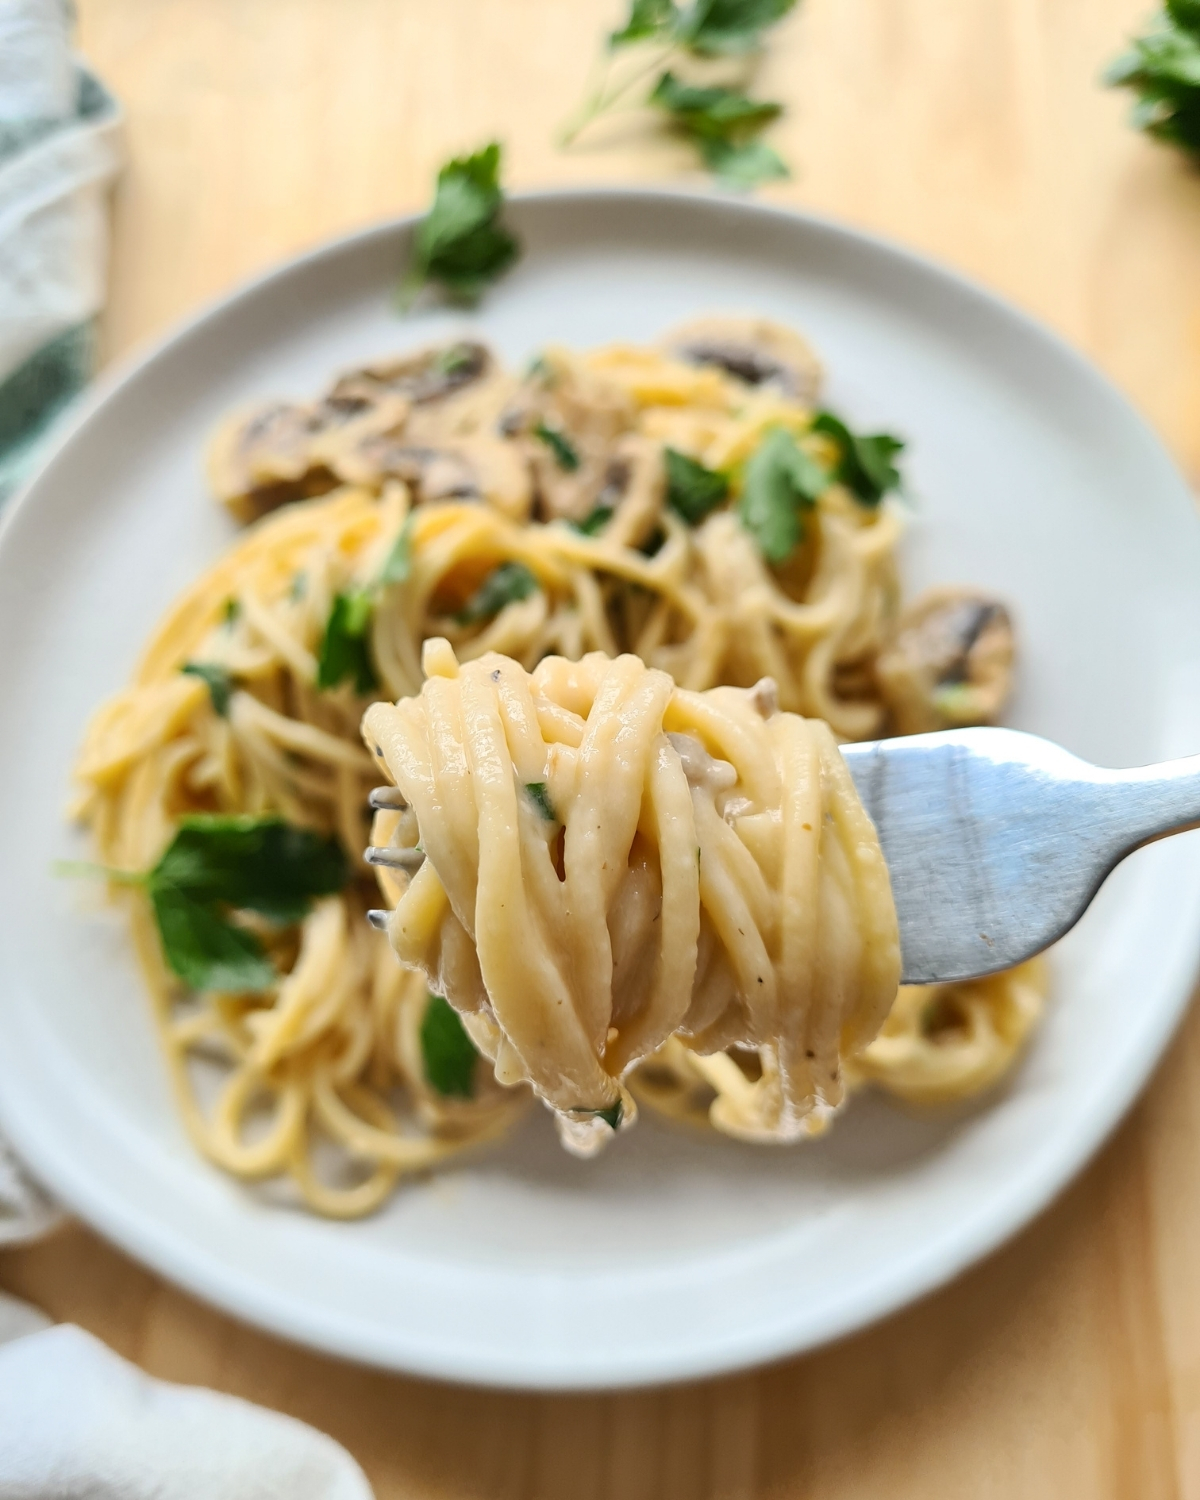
1067, 1365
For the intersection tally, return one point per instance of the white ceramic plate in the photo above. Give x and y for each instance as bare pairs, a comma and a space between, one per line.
672, 1256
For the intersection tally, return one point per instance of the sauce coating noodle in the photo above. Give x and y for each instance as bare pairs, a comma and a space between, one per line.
611, 861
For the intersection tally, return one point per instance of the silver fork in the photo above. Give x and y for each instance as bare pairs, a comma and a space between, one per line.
997, 841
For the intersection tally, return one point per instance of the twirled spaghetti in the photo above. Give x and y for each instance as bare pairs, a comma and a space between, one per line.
410, 493
611, 861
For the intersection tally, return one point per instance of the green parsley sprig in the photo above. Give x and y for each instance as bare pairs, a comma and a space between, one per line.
709, 28
506, 584
595, 521
692, 489
345, 651
462, 243
1162, 68
722, 122
724, 125
781, 481
215, 866
865, 461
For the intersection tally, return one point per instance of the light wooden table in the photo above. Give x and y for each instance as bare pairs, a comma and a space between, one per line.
1069, 1363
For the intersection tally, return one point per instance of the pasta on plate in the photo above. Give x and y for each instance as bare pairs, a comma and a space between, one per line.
684, 516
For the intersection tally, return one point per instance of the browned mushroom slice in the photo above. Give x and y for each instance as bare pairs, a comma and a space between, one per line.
502, 473
430, 374
950, 662
430, 473
288, 452
268, 457
752, 350
567, 420
472, 468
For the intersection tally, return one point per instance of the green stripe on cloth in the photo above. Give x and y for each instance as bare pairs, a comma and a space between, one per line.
37, 392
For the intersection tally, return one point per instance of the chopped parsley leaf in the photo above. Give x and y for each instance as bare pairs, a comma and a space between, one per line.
345, 653
595, 523
780, 482
865, 464
447, 1052
559, 444
510, 582
216, 865
455, 359
219, 680
692, 489
398, 563
540, 798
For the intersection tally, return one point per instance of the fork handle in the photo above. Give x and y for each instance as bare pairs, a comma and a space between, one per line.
1152, 802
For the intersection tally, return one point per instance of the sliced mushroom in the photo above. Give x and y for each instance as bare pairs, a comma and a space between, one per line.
264, 459
454, 390
474, 468
430, 473
431, 374
949, 664
753, 350
568, 420
382, 421
502, 473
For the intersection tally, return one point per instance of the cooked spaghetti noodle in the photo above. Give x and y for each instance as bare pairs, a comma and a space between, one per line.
429, 499
611, 861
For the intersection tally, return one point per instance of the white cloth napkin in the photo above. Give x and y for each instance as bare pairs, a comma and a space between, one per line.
26, 1212
79, 1423
59, 151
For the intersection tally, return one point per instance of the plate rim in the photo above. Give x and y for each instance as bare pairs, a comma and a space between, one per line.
1028, 1193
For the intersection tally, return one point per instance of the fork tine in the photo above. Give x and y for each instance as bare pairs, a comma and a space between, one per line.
387, 797
395, 859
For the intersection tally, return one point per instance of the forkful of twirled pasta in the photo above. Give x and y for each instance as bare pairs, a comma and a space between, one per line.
591, 865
